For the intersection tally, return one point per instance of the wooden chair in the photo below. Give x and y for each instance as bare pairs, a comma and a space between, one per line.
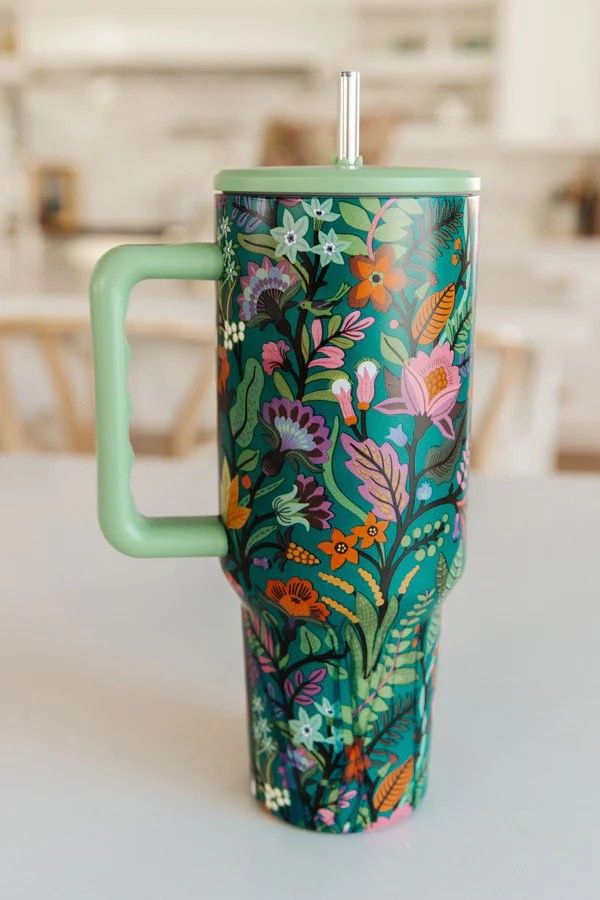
522, 357
512, 357
54, 329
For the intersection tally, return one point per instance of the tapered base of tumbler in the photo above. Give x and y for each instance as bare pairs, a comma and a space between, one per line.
339, 735
280, 811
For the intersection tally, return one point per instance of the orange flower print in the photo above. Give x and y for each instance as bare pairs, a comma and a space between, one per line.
378, 277
297, 597
371, 532
223, 369
356, 762
340, 548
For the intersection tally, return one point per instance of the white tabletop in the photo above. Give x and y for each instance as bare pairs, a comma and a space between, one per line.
123, 768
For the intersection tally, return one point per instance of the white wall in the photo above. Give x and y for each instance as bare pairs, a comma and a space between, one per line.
549, 71
148, 99
188, 29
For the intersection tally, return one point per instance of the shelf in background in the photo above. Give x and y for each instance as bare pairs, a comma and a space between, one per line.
423, 6
11, 71
429, 67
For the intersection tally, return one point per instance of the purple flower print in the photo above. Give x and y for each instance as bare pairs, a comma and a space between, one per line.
317, 507
263, 288
306, 504
383, 477
295, 430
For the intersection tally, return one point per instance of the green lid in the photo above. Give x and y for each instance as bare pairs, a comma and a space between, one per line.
345, 179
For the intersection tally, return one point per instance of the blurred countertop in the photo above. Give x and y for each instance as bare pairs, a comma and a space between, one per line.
124, 771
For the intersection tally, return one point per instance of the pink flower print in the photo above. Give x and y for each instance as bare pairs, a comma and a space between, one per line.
429, 387
342, 391
400, 813
317, 332
326, 816
366, 373
331, 357
273, 355
354, 327
345, 797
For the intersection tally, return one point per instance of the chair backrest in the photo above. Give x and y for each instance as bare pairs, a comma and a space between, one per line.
54, 334
510, 357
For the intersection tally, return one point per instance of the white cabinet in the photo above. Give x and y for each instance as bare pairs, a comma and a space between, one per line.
549, 72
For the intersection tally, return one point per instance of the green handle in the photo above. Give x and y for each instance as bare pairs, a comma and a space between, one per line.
112, 281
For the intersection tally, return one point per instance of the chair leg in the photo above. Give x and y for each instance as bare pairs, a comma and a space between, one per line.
185, 423
50, 346
12, 436
512, 366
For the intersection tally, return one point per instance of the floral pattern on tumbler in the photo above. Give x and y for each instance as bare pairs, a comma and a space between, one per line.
344, 358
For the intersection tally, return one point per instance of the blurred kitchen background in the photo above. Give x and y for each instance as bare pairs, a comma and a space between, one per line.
114, 116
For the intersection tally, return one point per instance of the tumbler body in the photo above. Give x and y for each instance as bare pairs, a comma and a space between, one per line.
344, 359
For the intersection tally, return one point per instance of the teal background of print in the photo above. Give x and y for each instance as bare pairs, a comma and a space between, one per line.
326, 685
379, 425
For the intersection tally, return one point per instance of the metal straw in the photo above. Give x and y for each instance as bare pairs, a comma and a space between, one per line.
349, 117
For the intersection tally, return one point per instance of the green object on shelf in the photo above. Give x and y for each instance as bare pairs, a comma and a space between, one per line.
117, 272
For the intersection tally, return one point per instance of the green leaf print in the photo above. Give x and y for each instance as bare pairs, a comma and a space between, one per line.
367, 615
355, 216
326, 375
442, 572
371, 204
458, 330
440, 462
320, 395
267, 488
356, 245
258, 243
396, 217
393, 349
305, 342
248, 460
433, 629
309, 642
390, 233
244, 412
261, 534
457, 566
330, 481
282, 385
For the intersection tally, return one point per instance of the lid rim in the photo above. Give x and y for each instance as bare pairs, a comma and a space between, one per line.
346, 180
